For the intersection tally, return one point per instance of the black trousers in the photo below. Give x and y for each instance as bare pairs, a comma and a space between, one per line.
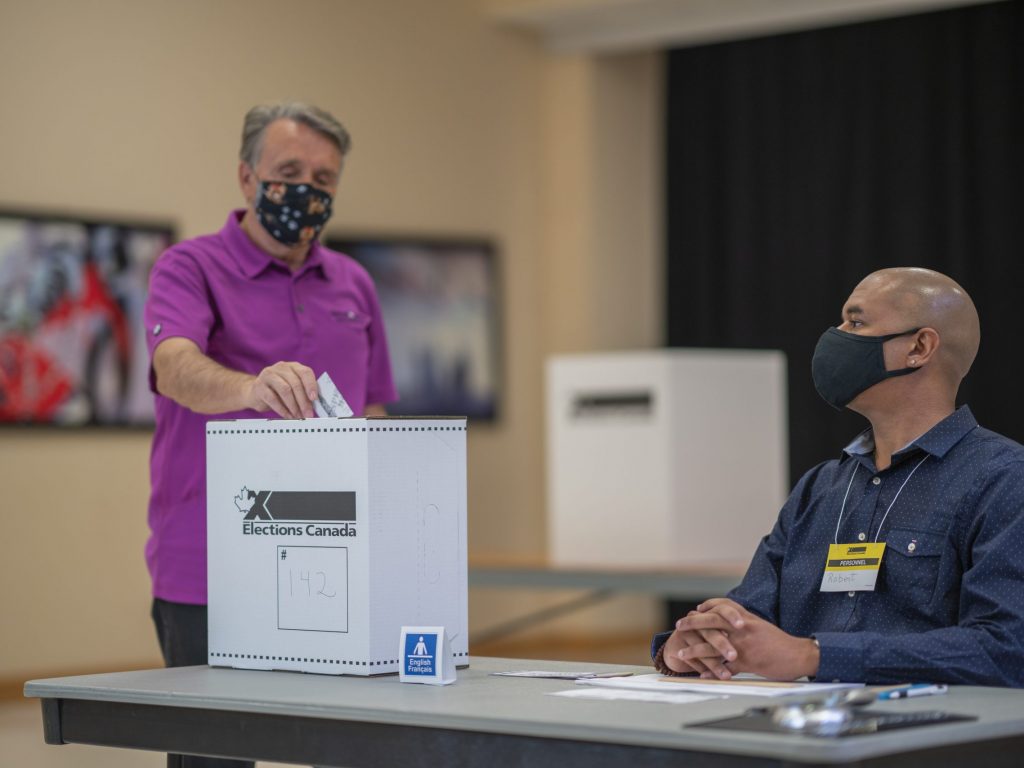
181, 630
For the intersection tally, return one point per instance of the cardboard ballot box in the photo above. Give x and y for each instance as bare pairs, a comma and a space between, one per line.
326, 536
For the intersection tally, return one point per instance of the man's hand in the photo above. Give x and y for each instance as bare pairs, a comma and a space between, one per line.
715, 647
721, 632
287, 389
191, 379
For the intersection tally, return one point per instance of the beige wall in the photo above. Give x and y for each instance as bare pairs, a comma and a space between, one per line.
133, 108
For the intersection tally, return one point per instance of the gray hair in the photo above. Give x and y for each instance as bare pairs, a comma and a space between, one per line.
258, 118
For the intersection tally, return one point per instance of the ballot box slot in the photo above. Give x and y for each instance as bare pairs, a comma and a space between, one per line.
605, 404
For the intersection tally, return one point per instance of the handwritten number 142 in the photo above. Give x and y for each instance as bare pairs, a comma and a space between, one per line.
317, 580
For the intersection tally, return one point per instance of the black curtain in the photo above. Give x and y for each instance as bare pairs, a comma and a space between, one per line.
797, 164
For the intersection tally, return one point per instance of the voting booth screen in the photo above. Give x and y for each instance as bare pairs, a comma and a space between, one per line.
72, 346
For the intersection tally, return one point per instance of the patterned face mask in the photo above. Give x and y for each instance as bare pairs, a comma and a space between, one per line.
293, 214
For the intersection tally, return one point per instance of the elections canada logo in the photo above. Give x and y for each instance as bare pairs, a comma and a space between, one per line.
297, 513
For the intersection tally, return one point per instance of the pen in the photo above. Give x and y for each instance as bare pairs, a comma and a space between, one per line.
607, 674
910, 691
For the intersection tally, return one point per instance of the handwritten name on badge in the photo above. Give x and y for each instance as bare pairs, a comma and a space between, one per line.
852, 567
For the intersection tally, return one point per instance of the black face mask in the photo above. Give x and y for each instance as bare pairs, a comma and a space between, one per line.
846, 364
293, 214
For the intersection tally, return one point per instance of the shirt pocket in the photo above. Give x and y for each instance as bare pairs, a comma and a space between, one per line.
351, 319
912, 560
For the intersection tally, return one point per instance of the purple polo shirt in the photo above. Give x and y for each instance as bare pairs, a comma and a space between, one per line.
246, 310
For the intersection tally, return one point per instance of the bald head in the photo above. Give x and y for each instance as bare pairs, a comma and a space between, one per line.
928, 299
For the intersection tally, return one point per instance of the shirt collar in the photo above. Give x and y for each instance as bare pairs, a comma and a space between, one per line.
252, 260
315, 261
937, 441
862, 445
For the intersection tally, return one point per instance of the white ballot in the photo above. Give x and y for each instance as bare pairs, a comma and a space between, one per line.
741, 685
425, 656
330, 403
617, 694
326, 536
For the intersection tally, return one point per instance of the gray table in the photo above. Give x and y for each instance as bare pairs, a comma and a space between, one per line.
481, 720
683, 583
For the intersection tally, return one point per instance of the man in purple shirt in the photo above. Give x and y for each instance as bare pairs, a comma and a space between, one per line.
240, 324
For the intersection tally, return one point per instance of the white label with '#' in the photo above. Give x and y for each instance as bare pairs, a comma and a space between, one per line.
312, 588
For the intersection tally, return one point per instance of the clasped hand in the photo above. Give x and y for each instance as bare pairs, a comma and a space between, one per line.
722, 638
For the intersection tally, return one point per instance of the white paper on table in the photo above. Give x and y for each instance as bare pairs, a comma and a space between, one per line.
615, 694
547, 674
748, 686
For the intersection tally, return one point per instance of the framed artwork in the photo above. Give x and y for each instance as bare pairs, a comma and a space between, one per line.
72, 342
440, 300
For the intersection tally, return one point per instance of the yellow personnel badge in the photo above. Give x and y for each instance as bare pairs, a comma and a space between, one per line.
852, 567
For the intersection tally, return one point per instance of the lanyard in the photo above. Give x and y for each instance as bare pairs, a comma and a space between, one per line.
842, 509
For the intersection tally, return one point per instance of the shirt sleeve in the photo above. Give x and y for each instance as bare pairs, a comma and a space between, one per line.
657, 641
758, 592
986, 647
177, 305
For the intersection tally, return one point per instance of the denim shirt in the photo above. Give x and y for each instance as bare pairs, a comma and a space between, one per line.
948, 604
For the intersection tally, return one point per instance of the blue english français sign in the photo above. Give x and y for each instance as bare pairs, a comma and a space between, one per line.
420, 657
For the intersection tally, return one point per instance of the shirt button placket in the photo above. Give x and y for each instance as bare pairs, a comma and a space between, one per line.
301, 316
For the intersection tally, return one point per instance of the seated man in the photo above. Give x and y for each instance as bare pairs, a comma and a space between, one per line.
944, 495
